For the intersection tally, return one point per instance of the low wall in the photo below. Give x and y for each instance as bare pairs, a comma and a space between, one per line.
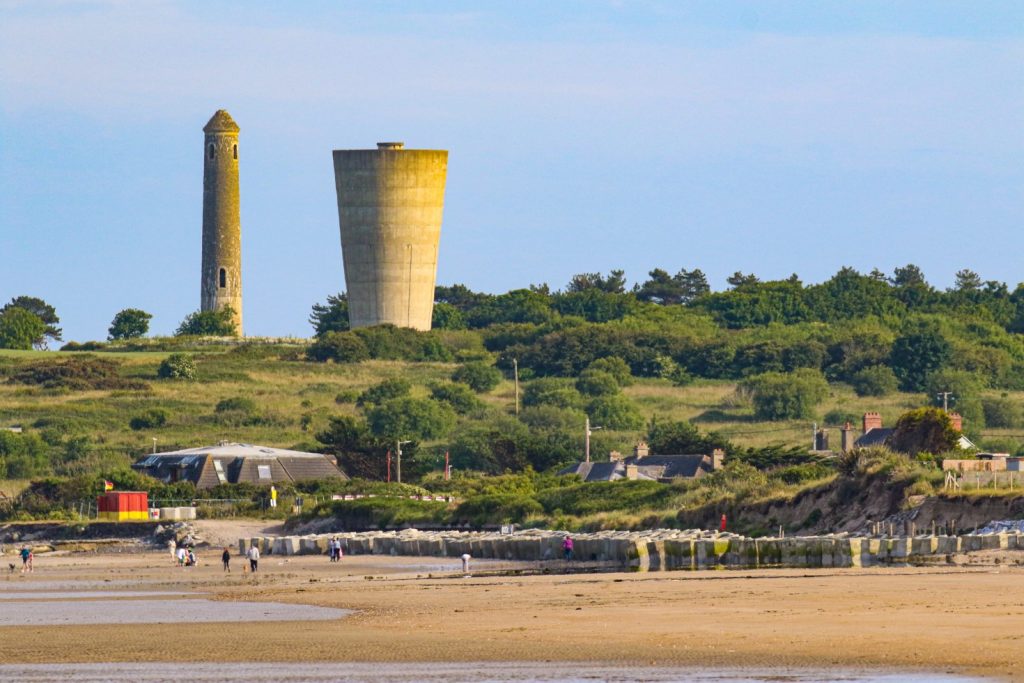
658, 550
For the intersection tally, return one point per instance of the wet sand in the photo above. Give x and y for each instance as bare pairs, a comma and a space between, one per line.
926, 621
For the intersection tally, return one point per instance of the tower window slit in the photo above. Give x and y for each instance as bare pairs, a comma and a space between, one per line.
223, 278
211, 151
234, 150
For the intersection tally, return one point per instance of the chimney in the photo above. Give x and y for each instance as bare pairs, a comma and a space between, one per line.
846, 438
872, 421
632, 472
615, 456
717, 459
957, 420
641, 450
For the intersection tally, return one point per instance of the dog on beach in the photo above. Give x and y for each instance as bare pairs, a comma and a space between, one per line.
11, 567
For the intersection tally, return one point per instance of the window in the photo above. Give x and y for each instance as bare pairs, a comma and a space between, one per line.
211, 151
263, 471
234, 150
223, 278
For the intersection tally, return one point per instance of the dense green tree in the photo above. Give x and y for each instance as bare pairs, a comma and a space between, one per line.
616, 367
385, 391
738, 279
218, 323
331, 316
1002, 413
20, 329
614, 412
340, 347
683, 287
359, 453
874, 380
597, 383
41, 310
411, 418
916, 353
516, 306
447, 317
23, 456
967, 281
551, 391
786, 396
131, 323
613, 283
927, 430
908, 276
675, 437
459, 396
480, 377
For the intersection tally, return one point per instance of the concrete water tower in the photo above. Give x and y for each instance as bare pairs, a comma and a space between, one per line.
390, 202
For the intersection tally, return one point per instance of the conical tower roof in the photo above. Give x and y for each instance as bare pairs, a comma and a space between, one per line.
221, 122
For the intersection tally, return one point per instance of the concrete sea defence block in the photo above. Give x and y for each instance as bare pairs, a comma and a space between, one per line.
243, 546
308, 546
769, 551
924, 545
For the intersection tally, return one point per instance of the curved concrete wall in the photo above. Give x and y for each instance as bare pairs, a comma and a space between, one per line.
390, 203
222, 228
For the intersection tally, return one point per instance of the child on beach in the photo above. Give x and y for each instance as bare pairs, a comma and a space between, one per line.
26, 560
226, 559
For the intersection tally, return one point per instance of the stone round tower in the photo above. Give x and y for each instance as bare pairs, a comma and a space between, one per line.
222, 229
390, 202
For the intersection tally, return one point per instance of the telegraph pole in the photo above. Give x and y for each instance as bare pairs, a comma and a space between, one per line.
586, 440
398, 460
515, 370
945, 396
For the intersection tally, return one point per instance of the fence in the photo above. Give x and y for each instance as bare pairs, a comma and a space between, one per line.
978, 481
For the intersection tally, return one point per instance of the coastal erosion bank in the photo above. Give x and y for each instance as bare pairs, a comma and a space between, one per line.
658, 550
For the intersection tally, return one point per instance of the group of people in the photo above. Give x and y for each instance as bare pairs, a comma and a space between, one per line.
334, 549
186, 557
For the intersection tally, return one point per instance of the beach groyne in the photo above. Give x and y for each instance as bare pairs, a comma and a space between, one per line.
657, 550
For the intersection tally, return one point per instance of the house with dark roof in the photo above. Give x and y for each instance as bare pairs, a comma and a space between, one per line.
874, 434
233, 463
644, 466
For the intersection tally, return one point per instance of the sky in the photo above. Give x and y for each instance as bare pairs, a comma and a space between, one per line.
760, 136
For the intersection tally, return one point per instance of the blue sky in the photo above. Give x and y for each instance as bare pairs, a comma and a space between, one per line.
772, 137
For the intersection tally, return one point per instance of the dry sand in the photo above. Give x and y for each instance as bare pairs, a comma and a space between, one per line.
965, 620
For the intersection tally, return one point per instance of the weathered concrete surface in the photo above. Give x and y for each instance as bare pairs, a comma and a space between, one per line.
650, 551
222, 226
390, 204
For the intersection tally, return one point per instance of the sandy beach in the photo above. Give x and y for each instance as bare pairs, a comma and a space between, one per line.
965, 620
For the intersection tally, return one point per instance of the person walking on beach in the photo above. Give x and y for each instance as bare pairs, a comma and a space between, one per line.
254, 558
26, 560
172, 546
567, 548
225, 557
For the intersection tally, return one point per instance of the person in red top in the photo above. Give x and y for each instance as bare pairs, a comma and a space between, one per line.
567, 547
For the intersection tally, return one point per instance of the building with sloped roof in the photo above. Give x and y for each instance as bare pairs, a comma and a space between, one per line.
235, 463
644, 466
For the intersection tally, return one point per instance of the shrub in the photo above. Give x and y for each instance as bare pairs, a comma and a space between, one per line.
384, 391
597, 383
479, 376
876, 380
553, 418
218, 323
340, 347
459, 396
786, 396
240, 404
76, 374
178, 366
616, 367
615, 412
350, 396
551, 391
924, 429
151, 419
1001, 412
20, 329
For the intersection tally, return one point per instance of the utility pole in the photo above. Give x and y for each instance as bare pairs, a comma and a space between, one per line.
398, 461
447, 467
586, 440
154, 444
515, 370
945, 396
